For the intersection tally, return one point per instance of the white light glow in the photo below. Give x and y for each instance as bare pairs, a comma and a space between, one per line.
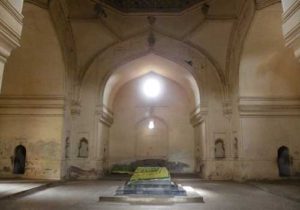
151, 87
151, 125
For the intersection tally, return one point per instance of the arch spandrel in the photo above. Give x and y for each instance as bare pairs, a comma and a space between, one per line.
103, 66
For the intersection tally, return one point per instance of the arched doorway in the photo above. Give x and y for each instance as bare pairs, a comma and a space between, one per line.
152, 139
283, 161
19, 160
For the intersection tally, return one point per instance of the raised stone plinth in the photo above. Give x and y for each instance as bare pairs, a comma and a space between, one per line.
152, 185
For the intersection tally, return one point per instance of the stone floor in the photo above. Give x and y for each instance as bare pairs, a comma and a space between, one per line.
284, 195
13, 187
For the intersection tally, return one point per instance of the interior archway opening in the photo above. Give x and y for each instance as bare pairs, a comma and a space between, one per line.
151, 99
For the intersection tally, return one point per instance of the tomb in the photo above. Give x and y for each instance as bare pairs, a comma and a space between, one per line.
152, 185
151, 181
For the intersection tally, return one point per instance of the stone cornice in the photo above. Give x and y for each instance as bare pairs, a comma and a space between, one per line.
12, 11
259, 107
10, 28
32, 105
291, 11
10, 37
292, 35
291, 23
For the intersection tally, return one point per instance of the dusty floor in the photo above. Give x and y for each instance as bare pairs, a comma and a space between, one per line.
284, 195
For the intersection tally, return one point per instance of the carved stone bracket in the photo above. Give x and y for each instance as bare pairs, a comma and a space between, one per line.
105, 115
75, 108
198, 115
227, 109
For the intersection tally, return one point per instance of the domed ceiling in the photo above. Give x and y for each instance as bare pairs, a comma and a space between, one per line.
151, 5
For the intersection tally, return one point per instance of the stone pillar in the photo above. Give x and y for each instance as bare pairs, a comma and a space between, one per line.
291, 25
11, 22
104, 121
198, 118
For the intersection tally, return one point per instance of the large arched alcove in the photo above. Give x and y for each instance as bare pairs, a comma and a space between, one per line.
131, 137
125, 62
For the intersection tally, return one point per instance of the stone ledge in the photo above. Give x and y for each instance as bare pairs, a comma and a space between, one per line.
256, 106
32, 105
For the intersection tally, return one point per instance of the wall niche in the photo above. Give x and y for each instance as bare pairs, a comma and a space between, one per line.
219, 149
83, 148
67, 147
235, 148
19, 160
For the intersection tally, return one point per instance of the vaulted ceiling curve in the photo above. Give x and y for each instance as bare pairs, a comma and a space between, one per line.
148, 65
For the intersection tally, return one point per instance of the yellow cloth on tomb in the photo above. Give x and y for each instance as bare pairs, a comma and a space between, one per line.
147, 173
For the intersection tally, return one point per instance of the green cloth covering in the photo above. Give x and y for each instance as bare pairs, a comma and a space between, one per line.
122, 169
148, 173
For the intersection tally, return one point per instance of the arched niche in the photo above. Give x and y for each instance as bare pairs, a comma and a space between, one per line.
219, 149
19, 160
83, 148
151, 142
283, 161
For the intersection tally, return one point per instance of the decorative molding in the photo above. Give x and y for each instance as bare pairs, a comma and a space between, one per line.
259, 107
10, 28
295, 7
261, 4
227, 108
11, 37
105, 115
12, 11
292, 35
291, 23
291, 27
32, 105
198, 115
75, 108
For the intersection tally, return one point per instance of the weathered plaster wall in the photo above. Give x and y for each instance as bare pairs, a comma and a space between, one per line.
32, 104
37, 67
32, 100
268, 68
41, 137
173, 108
269, 98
